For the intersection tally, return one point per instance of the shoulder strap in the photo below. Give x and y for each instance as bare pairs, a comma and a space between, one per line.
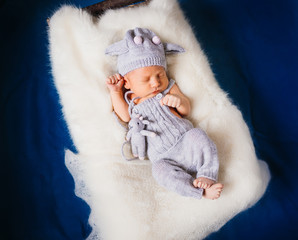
126, 96
171, 84
130, 103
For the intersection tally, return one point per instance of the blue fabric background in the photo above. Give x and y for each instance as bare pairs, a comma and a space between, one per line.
252, 49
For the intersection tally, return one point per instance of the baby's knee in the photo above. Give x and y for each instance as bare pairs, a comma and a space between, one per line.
163, 171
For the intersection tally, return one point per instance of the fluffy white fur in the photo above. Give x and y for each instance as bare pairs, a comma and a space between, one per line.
126, 202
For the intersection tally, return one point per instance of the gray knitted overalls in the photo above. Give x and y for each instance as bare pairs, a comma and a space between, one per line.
179, 151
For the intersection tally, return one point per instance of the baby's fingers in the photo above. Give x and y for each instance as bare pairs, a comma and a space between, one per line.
174, 102
120, 83
164, 100
171, 101
118, 76
110, 80
114, 79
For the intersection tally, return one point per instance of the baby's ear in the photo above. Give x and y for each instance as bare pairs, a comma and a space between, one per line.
173, 48
117, 48
126, 83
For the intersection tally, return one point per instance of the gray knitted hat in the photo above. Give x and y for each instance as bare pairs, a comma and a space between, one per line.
141, 48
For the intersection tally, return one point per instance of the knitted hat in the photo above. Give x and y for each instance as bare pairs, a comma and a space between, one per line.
141, 48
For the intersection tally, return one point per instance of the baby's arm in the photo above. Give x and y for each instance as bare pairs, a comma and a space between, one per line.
115, 84
176, 99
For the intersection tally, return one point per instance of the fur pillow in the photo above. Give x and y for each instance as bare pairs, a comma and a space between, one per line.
125, 201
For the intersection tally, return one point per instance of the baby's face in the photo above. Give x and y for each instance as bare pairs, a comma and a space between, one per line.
147, 81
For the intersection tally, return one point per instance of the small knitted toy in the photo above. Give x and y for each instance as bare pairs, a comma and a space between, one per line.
137, 137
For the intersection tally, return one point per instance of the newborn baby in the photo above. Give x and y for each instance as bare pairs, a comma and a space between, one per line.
179, 151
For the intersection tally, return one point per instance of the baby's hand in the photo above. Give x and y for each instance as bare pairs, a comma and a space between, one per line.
115, 82
171, 100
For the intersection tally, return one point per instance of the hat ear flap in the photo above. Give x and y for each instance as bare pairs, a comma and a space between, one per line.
117, 48
173, 48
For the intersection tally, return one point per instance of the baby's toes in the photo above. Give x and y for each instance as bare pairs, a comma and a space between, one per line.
219, 192
195, 183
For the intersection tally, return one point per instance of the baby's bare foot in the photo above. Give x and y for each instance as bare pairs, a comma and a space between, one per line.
213, 192
202, 182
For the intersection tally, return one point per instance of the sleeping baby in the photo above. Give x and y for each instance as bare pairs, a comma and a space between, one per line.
184, 159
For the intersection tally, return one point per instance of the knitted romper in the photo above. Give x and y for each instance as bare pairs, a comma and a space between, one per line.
179, 151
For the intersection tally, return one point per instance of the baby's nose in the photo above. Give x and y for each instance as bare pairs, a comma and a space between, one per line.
155, 82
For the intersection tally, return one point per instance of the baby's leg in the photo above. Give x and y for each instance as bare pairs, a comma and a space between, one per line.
207, 165
173, 177
207, 168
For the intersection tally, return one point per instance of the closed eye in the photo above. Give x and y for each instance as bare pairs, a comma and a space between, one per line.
161, 75
144, 80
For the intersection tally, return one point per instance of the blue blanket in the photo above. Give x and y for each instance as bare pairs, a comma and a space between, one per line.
252, 48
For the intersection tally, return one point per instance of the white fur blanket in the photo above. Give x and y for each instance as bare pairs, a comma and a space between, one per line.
125, 201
